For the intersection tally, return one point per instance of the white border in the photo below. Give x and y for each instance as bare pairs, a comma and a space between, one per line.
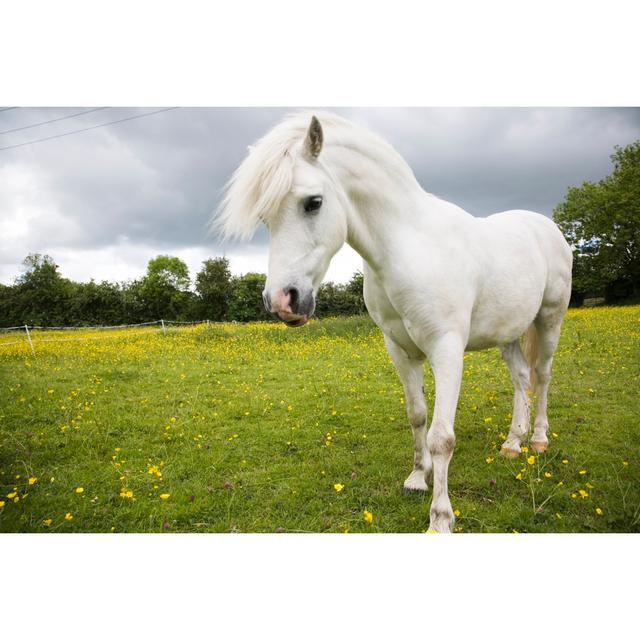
331, 53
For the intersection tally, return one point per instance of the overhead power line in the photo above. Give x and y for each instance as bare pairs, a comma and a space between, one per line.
39, 124
96, 126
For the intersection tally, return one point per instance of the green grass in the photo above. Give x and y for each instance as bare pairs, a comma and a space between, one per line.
251, 426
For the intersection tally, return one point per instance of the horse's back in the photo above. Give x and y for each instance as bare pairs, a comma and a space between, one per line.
542, 232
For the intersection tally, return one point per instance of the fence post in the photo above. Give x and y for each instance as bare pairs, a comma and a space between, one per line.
26, 328
164, 329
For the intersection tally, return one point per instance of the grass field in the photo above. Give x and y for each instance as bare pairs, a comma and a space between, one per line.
260, 428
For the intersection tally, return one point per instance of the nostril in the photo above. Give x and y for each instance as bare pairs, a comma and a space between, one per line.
294, 298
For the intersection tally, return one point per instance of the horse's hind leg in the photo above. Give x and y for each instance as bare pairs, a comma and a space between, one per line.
520, 421
411, 375
548, 324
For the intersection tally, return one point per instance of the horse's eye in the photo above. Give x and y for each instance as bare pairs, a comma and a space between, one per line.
312, 203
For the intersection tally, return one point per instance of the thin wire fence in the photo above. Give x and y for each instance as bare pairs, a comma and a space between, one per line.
162, 325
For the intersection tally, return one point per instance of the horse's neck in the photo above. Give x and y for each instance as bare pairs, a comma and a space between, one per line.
382, 192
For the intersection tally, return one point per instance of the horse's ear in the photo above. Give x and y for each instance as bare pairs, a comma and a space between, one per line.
313, 141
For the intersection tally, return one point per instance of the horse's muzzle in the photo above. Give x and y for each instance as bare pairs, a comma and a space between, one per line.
290, 306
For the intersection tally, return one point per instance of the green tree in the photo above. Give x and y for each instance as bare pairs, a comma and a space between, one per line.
355, 293
164, 290
246, 300
341, 299
97, 303
169, 270
41, 294
214, 287
601, 221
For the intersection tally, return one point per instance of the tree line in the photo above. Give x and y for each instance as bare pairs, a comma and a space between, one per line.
43, 296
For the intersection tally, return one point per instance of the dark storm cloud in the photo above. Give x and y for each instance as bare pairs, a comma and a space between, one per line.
156, 180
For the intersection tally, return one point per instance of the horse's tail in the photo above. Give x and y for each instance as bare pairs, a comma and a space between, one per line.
530, 348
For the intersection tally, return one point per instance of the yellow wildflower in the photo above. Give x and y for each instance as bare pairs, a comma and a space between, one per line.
456, 513
164, 496
1, 504
47, 522
32, 481
583, 493
531, 460
79, 489
368, 516
11, 495
126, 493
599, 511
68, 517
547, 474
582, 472
488, 460
565, 462
338, 487
519, 476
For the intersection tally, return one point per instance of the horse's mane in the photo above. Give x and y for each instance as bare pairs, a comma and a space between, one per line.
264, 178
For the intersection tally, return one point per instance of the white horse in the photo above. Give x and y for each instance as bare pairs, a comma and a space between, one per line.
437, 281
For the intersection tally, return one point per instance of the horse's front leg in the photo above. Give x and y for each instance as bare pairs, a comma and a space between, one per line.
411, 375
446, 356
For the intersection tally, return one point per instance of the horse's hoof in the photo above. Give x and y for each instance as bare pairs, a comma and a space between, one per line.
509, 453
441, 522
540, 447
416, 481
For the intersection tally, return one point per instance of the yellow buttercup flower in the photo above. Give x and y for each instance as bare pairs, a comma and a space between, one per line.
79, 489
47, 522
126, 493
68, 516
599, 511
531, 460
165, 496
338, 487
32, 481
368, 516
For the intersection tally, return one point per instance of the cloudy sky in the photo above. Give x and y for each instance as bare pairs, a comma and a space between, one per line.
104, 201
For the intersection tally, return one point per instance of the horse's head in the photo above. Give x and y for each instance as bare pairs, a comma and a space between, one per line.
307, 231
288, 187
